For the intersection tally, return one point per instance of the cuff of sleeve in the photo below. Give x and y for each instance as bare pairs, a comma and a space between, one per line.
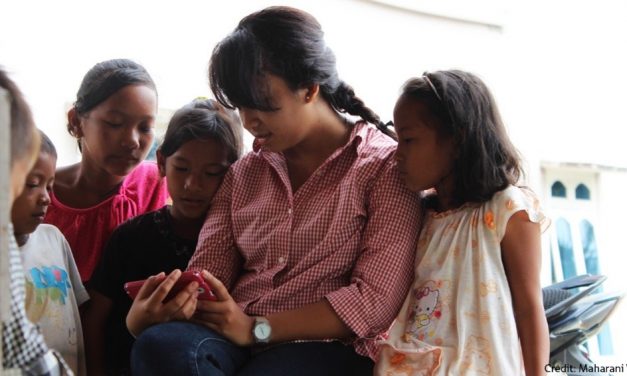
350, 309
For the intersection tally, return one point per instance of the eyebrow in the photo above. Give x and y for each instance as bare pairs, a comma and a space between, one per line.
118, 112
182, 159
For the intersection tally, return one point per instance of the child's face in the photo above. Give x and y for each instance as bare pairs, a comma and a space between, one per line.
424, 158
30, 207
194, 173
118, 133
21, 168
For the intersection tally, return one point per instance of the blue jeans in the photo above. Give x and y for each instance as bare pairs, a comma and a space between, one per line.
183, 348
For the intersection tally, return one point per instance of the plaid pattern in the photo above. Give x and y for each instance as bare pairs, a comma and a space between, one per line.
346, 235
23, 345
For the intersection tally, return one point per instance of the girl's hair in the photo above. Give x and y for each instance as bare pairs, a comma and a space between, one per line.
204, 119
22, 125
486, 161
105, 79
288, 43
46, 145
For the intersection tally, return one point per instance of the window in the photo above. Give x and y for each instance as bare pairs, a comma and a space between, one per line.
565, 245
582, 192
558, 189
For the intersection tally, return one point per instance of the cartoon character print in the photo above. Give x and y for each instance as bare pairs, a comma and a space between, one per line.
424, 308
476, 357
422, 363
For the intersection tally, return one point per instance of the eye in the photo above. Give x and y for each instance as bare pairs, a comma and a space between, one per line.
213, 174
180, 169
113, 124
146, 128
407, 140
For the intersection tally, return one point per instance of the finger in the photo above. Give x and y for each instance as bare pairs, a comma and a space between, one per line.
188, 309
180, 299
209, 325
150, 285
164, 287
216, 286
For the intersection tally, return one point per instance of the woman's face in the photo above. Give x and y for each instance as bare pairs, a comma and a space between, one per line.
285, 127
117, 134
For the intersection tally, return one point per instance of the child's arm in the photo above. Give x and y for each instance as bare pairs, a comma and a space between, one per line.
95, 317
522, 255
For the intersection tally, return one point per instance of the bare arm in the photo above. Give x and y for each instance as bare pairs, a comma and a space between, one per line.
95, 315
313, 321
522, 257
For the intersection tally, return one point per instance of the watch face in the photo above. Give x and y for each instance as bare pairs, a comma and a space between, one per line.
262, 331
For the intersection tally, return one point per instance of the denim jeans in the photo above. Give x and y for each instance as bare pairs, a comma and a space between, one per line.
183, 348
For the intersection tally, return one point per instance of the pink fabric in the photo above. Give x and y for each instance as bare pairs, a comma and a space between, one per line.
348, 235
88, 229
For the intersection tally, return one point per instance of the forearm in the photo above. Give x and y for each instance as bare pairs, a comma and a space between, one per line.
311, 322
534, 339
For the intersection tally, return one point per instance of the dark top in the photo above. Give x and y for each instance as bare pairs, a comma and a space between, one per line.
140, 247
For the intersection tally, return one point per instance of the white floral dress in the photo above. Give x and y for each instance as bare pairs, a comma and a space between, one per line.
458, 318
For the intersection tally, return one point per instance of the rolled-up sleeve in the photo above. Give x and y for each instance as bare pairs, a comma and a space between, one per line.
385, 269
216, 250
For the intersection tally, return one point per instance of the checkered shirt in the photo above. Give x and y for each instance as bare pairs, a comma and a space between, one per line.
347, 235
23, 345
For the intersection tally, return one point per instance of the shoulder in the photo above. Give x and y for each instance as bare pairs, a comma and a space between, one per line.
145, 170
138, 223
64, 177
373, 143
48, 232
513, 202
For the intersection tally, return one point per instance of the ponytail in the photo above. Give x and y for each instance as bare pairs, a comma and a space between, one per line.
344, 100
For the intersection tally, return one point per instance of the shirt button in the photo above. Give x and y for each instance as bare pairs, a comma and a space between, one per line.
289, 211
281, 259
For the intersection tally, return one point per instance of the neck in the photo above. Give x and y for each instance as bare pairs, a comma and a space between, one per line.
21, 239
96, 180
186, 228
445, 198
331, 132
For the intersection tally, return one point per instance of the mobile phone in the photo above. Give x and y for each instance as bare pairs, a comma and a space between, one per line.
204, 291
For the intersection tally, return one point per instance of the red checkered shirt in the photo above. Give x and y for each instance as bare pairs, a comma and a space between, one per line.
347, 235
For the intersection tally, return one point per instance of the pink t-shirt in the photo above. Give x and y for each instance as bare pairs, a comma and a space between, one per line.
88, 229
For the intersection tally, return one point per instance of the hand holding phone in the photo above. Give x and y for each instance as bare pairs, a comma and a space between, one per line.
204, 291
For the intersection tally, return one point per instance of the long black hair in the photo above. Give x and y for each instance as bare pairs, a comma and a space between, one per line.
288, 43
486, 160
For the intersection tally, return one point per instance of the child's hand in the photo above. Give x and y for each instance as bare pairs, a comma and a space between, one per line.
148, 307
224, 316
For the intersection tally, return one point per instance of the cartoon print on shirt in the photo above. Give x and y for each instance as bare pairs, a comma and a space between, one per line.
50, 282
423, 308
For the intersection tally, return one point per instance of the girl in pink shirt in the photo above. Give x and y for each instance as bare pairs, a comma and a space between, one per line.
113, 121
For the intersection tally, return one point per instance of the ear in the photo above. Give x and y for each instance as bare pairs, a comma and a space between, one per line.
74, 123
312, 92
161, 163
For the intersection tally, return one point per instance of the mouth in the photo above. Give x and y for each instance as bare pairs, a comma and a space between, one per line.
192, 201
39, 216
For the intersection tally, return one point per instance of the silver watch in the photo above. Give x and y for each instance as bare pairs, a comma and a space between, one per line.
262, 330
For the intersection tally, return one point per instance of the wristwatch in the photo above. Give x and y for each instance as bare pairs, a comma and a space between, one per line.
262, 330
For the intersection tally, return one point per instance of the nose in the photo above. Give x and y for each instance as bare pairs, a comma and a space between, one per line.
131, 138
249, 118
398, 155
44, 198
192, 183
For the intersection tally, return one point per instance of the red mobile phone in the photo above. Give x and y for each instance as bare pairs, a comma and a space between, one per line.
204, 291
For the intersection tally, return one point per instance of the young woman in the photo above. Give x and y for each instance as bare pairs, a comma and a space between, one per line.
309, 241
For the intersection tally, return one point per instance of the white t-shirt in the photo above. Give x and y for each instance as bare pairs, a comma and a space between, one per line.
458, 318
53, 293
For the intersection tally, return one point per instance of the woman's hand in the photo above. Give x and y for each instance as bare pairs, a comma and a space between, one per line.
149, 308
224, 316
